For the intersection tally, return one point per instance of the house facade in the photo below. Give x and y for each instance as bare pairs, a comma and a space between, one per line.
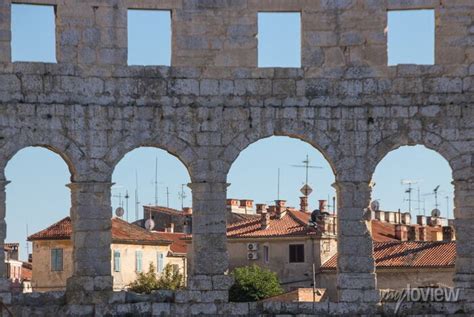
132, 251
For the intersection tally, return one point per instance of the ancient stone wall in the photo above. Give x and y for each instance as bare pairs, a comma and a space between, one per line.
92, 109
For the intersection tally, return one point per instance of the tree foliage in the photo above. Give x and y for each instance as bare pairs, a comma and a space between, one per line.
253, 283
169, 279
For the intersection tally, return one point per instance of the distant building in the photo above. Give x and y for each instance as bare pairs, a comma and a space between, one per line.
165, 219
133, 249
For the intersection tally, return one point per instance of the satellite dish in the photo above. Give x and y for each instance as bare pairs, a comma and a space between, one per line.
375, 205
149, 224
435, 213
119, 212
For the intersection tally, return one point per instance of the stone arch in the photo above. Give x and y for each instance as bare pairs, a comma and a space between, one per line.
61, 145
301, 131
167, 142
430, 140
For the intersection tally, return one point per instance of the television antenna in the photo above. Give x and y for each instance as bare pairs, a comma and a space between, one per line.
119, 212
435, 193
182, 195
127, 196
409, 190
137, 202
306, 190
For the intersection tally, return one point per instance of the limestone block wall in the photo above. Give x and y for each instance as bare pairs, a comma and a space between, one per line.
92, 109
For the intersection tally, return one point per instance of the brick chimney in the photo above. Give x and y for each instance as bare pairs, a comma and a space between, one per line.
323, 204
261, 208
421, 220
264, 220
413, 233
171, 228
448, 233
423, 233
401, 232
304, 204
280, 208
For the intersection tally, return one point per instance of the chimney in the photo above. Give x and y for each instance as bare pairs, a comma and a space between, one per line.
264, 220
380, 215
423, 233
171, 229
421, 220
413, 233
187, 210
304, 204
280, 208
261, 208
406, 218
448, 233
401, 232
323, 205
246, 205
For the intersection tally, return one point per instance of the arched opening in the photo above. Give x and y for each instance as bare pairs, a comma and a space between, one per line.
411, 219
151, 204
272, 222
38, 258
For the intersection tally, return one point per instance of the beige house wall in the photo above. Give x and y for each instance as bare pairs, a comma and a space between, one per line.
43, 279
291, 274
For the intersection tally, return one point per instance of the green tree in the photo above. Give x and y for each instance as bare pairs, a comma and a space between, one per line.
253, 283
147, 282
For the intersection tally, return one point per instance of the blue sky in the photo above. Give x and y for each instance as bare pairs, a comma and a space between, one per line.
38, 197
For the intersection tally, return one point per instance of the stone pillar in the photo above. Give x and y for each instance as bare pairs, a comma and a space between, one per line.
209, 238
91, 214
5, 32
4, 282
356, 280
464, 230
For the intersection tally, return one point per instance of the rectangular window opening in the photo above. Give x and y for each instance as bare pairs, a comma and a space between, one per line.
138, 261
149, 37
296, 253
33, 33
116, 261
411, 37
160, 262
266, 254
56, 260
279, 39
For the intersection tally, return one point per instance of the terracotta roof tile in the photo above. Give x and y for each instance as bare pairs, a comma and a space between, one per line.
410, 254
178, 245
293, 223
122, 232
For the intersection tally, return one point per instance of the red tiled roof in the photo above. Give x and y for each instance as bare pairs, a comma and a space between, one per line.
26, 271
61, 230
293, 223
410, 254
165, 210
122, 232
178, 245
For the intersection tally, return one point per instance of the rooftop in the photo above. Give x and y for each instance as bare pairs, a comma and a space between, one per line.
409, 254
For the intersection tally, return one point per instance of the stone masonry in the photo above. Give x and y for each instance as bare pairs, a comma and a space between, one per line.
213, 102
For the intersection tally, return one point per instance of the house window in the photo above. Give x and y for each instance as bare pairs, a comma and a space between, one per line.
56, 259
116, 261
279, 39
296, 253
149, 37
266, 253
33, 33
411, 37
138, 261
160, 262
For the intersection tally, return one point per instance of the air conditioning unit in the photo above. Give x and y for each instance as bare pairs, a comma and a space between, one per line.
252, 255
252, 246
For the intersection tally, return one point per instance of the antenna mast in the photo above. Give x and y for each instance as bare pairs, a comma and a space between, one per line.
447, 207
306, 190
156, 181
137, 203
126, 201
167, 197
182, 196
409, 190
27, 245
